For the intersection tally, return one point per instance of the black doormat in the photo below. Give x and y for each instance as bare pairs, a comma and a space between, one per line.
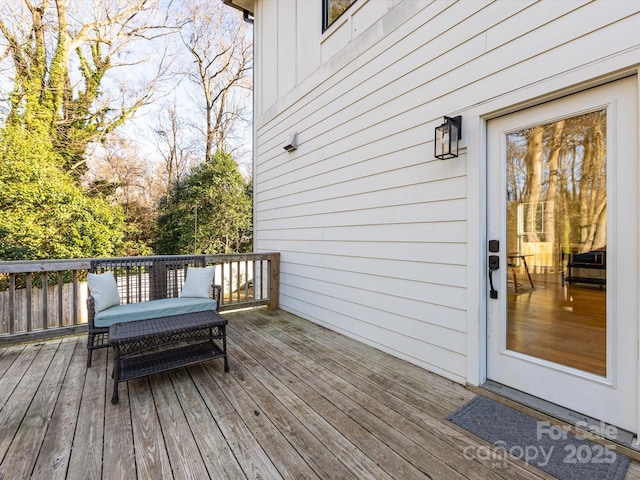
547, 447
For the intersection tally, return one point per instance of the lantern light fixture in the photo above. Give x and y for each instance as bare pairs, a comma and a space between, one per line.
447, 138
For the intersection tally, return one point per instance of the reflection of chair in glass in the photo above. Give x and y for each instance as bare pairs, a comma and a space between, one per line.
513, 260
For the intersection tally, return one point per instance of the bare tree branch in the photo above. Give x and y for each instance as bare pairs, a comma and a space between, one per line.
221, 51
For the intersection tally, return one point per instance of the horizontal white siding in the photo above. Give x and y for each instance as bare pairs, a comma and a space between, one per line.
373, 231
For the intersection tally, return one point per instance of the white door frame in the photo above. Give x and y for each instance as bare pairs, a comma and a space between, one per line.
476, 131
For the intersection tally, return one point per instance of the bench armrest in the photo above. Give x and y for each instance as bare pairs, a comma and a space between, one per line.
217, 295
91, 310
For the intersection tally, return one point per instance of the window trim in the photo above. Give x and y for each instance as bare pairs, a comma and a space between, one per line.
325, 14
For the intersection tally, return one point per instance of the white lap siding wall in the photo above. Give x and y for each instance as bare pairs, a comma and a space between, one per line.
378, 239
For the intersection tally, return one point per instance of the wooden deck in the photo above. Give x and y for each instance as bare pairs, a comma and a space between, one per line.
299, 402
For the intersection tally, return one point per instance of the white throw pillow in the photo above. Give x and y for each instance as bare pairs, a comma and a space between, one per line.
104, 290
198, 282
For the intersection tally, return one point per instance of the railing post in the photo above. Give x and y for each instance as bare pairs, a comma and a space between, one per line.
59, 287
45, 300
74, 310
12, 301
274, 281
29, 287
158, 280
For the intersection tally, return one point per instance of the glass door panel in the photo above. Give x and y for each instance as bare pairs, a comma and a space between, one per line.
557, 241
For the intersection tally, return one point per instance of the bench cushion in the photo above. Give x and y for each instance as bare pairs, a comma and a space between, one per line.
104, 290
152, 309
198, 282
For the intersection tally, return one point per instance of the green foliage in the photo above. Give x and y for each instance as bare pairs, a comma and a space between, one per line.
60, 55
44, 213
208, 211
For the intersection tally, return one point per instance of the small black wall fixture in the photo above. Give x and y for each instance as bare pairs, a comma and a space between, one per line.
292, 142
447, 138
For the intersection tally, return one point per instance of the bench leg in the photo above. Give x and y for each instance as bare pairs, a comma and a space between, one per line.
89, 349
224, 347
115, 374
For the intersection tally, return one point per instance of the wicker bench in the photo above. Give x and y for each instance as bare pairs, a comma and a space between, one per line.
145, 347
147, 287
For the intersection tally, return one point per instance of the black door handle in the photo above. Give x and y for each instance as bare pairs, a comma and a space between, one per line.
494, 264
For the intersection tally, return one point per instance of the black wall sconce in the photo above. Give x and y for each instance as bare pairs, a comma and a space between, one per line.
447, 138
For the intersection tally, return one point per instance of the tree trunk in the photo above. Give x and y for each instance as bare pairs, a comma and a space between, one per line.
555, 148
533, 161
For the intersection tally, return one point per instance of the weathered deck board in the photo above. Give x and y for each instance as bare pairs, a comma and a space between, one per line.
89, 433
8, 356
53, 459
14, 410
152, 458
184, 455
218, 457
299, 402
249, 453
305, 429
118, 458
273, 442
363, 428
30, 434
427, 442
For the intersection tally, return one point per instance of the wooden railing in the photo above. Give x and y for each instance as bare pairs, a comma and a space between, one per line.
28, 311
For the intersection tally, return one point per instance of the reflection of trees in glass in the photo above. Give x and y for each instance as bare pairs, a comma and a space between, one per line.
556, 183
337, 8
